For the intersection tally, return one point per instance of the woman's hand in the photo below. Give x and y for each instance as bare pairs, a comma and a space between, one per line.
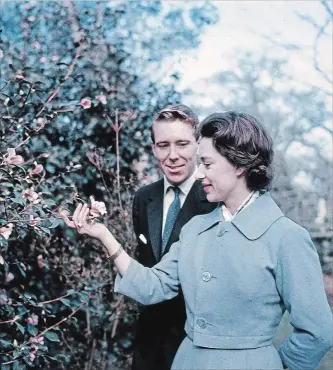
83, 224
91, 227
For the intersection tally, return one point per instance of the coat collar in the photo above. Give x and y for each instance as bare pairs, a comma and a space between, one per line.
252, 222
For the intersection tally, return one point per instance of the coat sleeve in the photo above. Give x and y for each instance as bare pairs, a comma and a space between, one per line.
151, 285
300, 284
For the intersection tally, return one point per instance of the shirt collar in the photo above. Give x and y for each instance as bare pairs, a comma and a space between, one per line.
246, 202
184, 187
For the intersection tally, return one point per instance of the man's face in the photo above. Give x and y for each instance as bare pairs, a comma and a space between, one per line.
175, 148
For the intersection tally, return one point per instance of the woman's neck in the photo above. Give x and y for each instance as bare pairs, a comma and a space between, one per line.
237, 198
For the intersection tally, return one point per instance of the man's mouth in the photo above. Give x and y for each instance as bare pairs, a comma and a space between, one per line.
175, 168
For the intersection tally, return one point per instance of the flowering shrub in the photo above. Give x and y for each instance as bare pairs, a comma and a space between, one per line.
75, 105
46, 283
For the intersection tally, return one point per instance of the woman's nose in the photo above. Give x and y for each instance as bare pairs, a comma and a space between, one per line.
199, 175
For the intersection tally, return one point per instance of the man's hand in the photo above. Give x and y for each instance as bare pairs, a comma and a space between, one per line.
83, 224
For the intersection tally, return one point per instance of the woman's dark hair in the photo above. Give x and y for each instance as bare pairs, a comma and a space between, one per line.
243, 140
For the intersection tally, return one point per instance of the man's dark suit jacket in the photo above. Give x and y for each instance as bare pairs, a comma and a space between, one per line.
160, 327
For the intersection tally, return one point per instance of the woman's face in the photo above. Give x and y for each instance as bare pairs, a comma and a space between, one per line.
219, 177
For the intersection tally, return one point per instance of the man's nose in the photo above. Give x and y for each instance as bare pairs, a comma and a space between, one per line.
173, 153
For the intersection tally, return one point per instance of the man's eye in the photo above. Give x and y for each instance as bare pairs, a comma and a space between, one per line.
162, 146
183, 144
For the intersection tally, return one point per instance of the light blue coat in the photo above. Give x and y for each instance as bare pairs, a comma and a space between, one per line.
238, 277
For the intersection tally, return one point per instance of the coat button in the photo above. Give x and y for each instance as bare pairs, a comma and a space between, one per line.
201, 323
206, 276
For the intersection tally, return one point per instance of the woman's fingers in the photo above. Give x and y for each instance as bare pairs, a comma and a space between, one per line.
82, 218
85, 214
76, 214
64, 214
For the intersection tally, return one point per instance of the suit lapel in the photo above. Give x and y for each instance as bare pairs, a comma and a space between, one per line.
193, 205
155, 215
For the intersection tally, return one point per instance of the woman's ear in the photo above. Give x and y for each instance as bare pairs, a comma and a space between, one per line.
240, 171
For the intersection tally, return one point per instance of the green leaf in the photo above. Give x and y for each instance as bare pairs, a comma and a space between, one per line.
53, 337
66, 302
21, 270
16, 353
5, 343
45, 230
50, 202
18, 200
32, 330
55, 223
20, 327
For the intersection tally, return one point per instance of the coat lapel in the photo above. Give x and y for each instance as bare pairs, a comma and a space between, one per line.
155, 215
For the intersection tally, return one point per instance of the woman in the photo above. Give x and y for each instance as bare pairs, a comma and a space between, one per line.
239, 267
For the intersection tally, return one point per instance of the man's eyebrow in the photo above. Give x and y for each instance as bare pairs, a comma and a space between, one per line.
162, 142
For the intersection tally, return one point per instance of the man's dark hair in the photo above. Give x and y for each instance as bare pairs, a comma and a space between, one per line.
243, 140
177, 112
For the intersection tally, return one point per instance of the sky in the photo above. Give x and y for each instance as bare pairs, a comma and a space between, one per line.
244, 26
256, 26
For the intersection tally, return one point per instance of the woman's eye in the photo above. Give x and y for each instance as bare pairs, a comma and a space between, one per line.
207, 165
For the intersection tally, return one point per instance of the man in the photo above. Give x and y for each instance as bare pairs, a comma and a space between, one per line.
159, 212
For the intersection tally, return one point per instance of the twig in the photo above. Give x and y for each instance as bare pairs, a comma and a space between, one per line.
119, 310
68, 74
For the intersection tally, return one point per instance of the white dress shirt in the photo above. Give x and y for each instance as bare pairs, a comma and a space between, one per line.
169, 195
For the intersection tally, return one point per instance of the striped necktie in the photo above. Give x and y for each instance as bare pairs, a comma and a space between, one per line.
171, 217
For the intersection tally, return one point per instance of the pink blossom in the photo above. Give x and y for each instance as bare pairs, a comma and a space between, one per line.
33, 221
37, 340
9, 277
86, 103
32, 18
19, 77
42, 60
32, 320
102, 99
3, 299
31, 356
38, 169
30, 194
40, 262
5, 231
55, 58
12, 158
97, 208
40, 122
36, 45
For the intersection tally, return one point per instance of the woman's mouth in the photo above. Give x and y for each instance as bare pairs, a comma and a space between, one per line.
206, 187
